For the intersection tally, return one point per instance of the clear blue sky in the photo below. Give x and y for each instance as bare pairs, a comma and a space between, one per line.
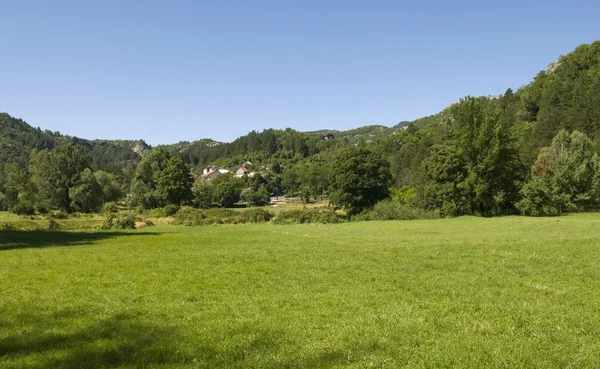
166, 71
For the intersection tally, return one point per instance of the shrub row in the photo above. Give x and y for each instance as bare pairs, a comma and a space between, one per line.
301, 216
393, 210
193, 217
123, 221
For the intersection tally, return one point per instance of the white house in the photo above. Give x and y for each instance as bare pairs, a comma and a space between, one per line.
240, 172
210, 175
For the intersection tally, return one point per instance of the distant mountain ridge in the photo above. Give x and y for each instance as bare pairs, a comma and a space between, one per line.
18, 138
565, 95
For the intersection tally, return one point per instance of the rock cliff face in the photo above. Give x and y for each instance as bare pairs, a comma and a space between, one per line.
141, 148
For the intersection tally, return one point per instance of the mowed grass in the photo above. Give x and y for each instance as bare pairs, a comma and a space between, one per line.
510, 292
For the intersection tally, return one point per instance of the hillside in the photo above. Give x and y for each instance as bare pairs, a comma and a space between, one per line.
359, 135
566, 95
17, 139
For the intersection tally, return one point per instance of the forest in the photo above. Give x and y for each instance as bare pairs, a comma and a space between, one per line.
532, 151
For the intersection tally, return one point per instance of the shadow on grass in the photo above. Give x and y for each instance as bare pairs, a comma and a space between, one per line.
69, 339
10, 240
117, 341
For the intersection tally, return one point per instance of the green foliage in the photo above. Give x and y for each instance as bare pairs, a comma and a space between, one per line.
53, 225
196, 217
18, 192
290, 181
359, 178
403, 195
109, 207
253, 197
111, 189
23, 208
86, 196
478, 171
164, 212
393, 210
563, 178
226, 190
302, 216
202, 192
125, 221
55, 172
8, 226
489, 142
161, 179
314, 180
59, 215
109, 220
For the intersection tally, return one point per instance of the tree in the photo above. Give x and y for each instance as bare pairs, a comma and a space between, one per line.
111, 189
161, 179
226, 190
175, 182
477, 170
18, 190
442, 172
202, 192
253, 197
491, 162
359, 178
55, 172
563, 178
86, 196
314, 180
290, 181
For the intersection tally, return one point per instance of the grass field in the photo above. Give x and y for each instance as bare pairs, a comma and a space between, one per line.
39, 222
510, 292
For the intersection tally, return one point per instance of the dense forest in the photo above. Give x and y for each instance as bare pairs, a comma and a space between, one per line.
532, 150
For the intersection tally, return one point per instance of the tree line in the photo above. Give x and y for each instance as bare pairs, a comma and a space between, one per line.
533, 151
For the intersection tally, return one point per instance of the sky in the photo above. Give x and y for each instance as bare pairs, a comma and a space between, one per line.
169, 71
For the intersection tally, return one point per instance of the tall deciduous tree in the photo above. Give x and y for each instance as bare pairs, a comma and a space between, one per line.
478, 171
359, 178
563, 178
55, 172
86, 195
161, 179
18, 192
226, 190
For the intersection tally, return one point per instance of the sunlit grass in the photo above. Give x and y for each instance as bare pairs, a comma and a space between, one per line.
39, 222
466, 292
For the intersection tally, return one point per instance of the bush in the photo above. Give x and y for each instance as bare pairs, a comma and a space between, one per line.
23, 208
167, 211
149, 223
125, 221
59, 215
108, 221
194, 217
41, 208
393, 210
298, 216
53, 225
403, 195
7, 227
109, 207
256, 215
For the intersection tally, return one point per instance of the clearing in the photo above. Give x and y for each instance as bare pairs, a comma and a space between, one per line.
466, 292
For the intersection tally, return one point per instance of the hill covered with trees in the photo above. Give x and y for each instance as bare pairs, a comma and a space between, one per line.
483, 155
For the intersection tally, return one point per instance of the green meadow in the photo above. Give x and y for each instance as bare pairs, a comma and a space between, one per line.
508, 292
